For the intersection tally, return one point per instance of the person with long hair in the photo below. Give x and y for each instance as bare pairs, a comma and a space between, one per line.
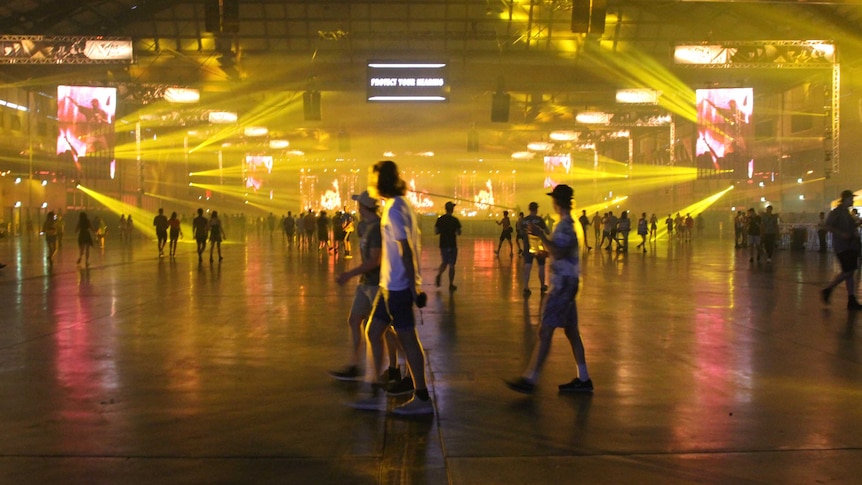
176, 232
400, 288
49, 229
85, 237
217, 235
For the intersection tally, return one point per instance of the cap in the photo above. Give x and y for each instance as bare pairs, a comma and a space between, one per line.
450, 205
365, 199
846, 193
563, 192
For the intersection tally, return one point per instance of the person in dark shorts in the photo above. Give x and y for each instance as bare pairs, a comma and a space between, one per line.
161, 224
216, 235
200, 227
175, 233
846, 243
448, 227
560, 309
533, 248
505, 234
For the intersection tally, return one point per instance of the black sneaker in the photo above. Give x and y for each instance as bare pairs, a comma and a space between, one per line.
437, 281
824, 294
390, 376
350, 373
400, 388
577, 385
521, 385
544, 288
452, 287
852, 304
527, 292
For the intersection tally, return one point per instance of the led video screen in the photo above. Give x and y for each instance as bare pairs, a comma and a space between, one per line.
407, 81
724, 130
257, 172
85, 118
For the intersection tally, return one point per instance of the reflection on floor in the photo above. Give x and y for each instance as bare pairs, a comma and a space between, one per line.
707, 368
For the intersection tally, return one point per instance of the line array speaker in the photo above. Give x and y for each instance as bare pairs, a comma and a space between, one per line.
500, 108
311, 105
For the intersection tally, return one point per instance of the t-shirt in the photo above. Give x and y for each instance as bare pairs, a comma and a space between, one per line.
564, 237
532, 242
448, 226
369, 238
398, 223
161, 223
175, 227
754, 225
770, 223
841, 219
200, 227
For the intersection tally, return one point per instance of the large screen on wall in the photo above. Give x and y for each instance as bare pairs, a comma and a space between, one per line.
407, 81
724, 130
257, 172
85, 118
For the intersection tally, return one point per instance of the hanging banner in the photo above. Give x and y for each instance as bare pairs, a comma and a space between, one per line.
777, 53
41, 49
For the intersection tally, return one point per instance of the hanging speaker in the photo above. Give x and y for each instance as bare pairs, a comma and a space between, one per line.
597, 16
311, 105
580, 16
212, 16
500, 108
230, 16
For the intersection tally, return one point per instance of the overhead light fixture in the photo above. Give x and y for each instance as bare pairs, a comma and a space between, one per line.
255, 131
182, 95
564, 135
278, 144
523, 155
593, 118
222, 117
540, 146
637, 96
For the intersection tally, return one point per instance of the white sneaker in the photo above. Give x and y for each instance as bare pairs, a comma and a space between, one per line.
414, 407
373, 403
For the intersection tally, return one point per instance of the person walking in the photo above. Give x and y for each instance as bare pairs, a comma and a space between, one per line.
200, 227
847, 245
560, 309
597, 229
448, 227
754, 230
821, 233
505, 234
161, 224
49, 229
400, 288
370, 243
769, 236
175, 233
520, 232
533, 249
585, 221
624, 226
653, 226
85, 237
217, 235
643, 231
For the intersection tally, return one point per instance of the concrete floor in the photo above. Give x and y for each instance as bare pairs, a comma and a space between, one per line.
707, 369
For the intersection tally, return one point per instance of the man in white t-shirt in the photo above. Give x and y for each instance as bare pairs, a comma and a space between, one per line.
400, 287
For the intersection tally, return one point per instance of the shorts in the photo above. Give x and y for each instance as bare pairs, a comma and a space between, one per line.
506, 234
395, 308
560, 308
849, 260
363, 300
201, 240
162, 235
540, 258
753, 240
449, 255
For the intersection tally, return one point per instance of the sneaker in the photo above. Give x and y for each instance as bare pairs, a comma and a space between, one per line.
852, 304
521, 385
544, 288
824, 294
350, 373
577, 385
452, 287
437, 281
527, 292
371, 403
3, 265
414, 407
400, 388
